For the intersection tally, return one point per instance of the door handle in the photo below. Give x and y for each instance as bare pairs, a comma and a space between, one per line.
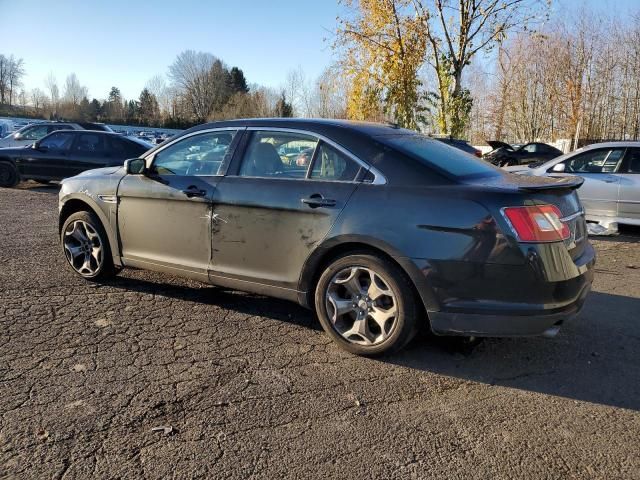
610, 180
193, 191
316, 200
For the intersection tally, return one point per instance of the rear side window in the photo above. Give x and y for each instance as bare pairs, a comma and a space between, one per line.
278, 155
329, 164
631, 161
90, 143
444, 158
62, 126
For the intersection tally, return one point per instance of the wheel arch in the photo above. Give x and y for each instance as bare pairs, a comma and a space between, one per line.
77, 204
336, 247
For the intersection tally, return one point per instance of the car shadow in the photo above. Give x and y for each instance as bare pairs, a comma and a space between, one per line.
242, 302
593, 359
50, 188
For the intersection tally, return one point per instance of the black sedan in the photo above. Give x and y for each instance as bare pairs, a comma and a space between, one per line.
383, 231
505, 155
66, 153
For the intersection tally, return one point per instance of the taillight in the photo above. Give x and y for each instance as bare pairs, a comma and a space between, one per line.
478, 153
538, 223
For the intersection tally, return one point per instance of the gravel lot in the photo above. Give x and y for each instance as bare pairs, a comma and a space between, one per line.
252, 388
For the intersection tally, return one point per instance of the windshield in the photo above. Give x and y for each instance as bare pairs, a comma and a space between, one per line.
449, 160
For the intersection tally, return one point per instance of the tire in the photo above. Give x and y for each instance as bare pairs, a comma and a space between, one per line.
9, 176
83, 240
382, 318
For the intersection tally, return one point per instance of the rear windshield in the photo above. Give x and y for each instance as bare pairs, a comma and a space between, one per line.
449, 160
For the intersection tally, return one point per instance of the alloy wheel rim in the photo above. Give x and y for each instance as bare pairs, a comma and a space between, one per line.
83, 248
361, 306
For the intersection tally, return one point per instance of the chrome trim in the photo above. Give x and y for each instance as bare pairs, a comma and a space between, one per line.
568, 218
378, 178
108, 198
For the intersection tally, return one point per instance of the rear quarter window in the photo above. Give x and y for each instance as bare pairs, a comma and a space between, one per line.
450, 161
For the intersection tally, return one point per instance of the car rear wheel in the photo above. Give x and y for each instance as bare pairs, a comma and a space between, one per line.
367, 304
8, 175
86, 246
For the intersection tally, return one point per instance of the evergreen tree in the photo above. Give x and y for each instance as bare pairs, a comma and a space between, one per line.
148, 107
283, 108
238, 84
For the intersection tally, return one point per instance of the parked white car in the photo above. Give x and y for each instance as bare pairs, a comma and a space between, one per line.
611, 189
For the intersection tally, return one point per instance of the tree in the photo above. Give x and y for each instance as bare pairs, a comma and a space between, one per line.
54, 92
148, 110
382, 47
38, 98
202, 81
283, 109
95, 110
238, 84
11, 73
456, 31
73, 91
113, 107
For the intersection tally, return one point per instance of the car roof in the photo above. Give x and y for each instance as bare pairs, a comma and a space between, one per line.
101, 132
622, 143
368, 128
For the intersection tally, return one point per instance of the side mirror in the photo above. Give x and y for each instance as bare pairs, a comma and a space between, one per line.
17, 136
135, 166
40, 148
558, 167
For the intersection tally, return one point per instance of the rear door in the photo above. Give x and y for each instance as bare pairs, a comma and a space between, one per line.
273, 208
629, 193
599, 168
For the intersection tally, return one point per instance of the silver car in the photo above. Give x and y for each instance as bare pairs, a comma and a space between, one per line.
611, 189
34, 132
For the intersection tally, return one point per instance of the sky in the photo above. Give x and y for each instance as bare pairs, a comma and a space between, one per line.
125, 43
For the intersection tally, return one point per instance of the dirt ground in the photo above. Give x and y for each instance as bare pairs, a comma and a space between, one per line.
250, 387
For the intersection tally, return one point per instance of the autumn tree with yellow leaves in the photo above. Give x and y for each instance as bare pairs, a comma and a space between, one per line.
384, 44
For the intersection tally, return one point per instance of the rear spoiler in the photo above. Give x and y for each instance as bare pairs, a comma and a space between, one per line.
561, 183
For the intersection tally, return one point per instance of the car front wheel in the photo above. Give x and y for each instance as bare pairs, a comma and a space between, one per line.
367, 304
86, 246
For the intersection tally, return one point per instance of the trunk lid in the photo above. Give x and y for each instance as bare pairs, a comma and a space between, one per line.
532, 190
496, 144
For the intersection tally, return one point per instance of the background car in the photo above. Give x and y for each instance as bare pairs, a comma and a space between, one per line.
504, 154
35, 131
611, 171
460, 144
65, 153
384, 232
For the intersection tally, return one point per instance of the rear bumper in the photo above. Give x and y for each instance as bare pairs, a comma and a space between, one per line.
507, 323
535, 298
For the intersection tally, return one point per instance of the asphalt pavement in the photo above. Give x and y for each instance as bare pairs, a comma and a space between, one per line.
152, 376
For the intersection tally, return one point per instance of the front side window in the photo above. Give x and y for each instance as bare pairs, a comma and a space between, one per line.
330, 164
59, 126
605, 160
278, 155
200, 155
531, 148
58, 141
34, 133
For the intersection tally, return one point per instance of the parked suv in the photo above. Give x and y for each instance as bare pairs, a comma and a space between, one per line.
382, 232
34, 132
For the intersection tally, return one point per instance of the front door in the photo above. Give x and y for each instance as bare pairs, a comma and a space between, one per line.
48, 158
278, 204
629, 196
164, 217
599, 168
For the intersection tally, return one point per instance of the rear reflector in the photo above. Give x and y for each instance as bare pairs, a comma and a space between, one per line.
538, 223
